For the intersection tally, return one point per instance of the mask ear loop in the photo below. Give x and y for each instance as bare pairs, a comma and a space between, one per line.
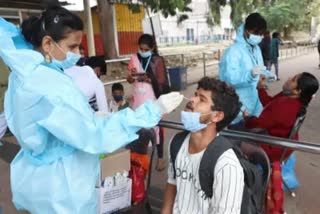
58, 46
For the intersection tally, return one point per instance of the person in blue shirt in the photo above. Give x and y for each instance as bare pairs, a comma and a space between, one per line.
274, 53
242, 63
61, 137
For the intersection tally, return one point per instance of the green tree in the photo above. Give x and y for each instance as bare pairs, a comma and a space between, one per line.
281, 15
239, 9
287, 16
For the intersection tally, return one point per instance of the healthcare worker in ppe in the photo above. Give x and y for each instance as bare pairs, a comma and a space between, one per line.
242, 63
61, 137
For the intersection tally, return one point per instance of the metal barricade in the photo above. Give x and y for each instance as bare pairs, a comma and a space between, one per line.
127, 59
257, 138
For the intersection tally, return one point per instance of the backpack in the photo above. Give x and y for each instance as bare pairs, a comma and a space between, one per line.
253, 194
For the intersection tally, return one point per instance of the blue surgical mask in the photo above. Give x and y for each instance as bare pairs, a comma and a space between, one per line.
191, 121
70, 60
117, 98
145, 54
254, 39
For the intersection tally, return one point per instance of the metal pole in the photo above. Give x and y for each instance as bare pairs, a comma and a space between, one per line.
90, 35
257, 138
204, 63
20, 17
182, 59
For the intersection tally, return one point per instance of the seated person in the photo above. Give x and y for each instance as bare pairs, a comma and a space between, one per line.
280, 112
278, 117
118, 102
212, 108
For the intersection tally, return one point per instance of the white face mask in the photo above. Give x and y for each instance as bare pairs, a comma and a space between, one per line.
145, 54
191, 121
254, 39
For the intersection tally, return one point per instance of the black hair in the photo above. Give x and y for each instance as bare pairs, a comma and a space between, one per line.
275, 35
309, 85
97, 61
149, 40
224, 97
117, 86
256, 23
55, 21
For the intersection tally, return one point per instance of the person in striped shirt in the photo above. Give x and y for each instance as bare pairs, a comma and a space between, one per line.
214, 105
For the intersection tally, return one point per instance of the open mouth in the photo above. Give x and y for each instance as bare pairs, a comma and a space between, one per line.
189, 107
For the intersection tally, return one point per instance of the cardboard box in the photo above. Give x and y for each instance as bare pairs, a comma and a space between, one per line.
117, 161
114, 198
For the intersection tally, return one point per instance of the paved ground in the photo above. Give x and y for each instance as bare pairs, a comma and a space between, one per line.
308, 165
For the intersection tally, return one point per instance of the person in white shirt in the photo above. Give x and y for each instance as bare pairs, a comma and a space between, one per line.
90, 85
214, 105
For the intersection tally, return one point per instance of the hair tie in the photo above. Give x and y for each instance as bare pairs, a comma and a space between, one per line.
56, 19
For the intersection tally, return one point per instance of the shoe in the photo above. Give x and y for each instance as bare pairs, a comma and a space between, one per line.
278, 79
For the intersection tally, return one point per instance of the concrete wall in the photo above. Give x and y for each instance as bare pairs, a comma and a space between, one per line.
196, 21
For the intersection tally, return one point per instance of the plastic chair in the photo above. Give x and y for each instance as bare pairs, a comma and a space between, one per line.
295, 129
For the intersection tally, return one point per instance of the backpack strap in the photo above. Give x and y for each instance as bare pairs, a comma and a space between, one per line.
175, 146
208, 162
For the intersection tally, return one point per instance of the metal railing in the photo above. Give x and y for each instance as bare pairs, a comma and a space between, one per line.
216, 55
257, 138
127, 59
297, 50
205, 55
174, 40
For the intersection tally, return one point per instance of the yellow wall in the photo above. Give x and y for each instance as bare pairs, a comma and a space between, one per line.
127, 21
95, 21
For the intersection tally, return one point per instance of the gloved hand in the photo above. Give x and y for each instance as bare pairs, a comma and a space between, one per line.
256, 70
272, 76
169, 102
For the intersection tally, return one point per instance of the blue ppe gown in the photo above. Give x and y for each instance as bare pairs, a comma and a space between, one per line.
236, 67
56, 170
